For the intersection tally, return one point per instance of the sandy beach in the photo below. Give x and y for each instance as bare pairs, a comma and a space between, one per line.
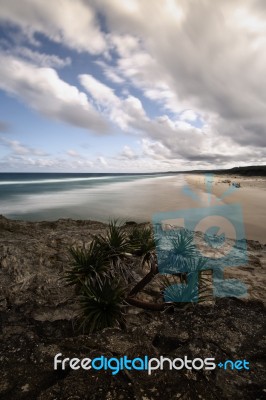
251, 195
135, 199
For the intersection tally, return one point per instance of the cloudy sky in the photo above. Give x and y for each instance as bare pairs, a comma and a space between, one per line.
132, 85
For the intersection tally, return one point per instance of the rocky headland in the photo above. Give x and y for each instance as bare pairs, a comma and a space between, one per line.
38, 321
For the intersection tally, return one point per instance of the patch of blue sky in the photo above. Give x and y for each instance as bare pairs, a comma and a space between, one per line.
9, 35
197, 123
56, 137
85, 63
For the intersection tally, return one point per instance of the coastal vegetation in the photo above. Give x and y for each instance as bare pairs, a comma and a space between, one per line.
110, 273
38, 312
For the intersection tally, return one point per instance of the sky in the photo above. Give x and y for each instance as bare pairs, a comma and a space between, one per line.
132, 85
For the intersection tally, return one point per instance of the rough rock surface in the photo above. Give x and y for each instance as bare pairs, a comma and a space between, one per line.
37, 313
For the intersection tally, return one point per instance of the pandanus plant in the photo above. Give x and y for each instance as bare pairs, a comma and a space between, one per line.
89, 266
101, 273
102, 305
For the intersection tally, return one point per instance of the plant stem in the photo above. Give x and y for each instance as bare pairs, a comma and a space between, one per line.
144, 305
145, 280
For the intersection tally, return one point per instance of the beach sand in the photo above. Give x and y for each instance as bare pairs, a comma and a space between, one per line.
251, 196
140, 200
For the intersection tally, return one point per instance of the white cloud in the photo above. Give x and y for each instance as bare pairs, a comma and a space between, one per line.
72, 23
102, 161
121, 111
128, 153
110, 72
188, 115
124, 45
155, 149
43, 90
40, 59
18, 148
102, 94
215, 66
191, 60
73, 153
166, 137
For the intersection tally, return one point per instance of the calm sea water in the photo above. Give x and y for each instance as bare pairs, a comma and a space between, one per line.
46, 196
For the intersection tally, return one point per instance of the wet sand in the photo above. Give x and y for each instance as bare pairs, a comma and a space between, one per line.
136, 200
139, 200
251, 196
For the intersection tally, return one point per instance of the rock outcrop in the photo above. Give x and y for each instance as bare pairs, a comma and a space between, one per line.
37, 322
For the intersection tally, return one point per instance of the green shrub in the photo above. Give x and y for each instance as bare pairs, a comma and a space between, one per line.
115, 243
88, 265
102, 304
97, 273
142, 242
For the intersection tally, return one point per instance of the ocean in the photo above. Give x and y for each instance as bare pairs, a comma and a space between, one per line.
101, 197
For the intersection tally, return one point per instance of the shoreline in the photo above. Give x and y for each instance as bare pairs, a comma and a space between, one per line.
136, 199
251, 195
